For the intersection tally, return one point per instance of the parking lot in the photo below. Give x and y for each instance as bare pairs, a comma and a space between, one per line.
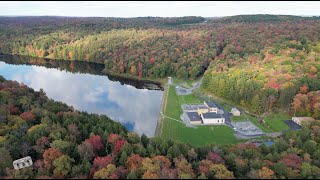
292, 125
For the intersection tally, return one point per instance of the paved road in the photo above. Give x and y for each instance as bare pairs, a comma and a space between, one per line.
187, 91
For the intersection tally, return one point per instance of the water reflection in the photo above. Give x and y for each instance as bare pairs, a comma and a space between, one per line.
137, 109
78, 67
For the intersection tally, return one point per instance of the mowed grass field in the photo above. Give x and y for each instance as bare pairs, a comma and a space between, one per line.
199, 136
240, 118
273, 122
276, 121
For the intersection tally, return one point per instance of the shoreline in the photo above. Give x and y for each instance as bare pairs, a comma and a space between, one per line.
157, 81
158, 130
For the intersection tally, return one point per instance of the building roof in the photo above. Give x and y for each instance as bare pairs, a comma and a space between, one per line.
211, 104
211, 115
234, 109
193, 116
202, 107
303, 118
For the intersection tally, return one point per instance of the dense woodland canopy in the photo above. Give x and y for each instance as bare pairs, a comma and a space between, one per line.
65, 143
150, 46
260, 62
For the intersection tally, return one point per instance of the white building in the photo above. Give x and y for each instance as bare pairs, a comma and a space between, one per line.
300, 120
22, 163
235, 111
212, 118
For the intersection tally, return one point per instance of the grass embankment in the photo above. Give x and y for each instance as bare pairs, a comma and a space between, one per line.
195, 136
186, 83
276, 121
273, 122
240, 118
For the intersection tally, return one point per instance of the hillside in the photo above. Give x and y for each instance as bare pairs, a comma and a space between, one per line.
277, 55
65, 143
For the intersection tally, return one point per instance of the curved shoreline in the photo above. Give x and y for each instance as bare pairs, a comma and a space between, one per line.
152, 84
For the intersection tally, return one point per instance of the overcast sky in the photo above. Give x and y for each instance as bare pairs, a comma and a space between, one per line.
157, 8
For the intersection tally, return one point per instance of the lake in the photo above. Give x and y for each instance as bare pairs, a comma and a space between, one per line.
86, 87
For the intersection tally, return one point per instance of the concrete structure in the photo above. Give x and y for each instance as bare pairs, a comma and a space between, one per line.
235, 111
169, 80
212, 106
300, 120
194, 118
212, 118
247, 128
22, 163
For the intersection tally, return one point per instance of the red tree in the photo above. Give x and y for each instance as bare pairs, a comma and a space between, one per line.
304, 89
118, 145
99, 163
113, 138
134, 162
152, 60
96, 142
28, 116
214, 157
49, 156
292, 160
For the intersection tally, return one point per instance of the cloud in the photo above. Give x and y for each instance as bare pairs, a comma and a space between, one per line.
95, 94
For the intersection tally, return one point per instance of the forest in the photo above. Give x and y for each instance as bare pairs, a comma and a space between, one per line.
151, 46
261, 62
66, 143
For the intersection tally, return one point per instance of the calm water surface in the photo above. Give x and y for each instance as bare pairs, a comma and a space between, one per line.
84, 86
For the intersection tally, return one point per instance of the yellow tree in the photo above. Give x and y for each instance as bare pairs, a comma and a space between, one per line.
219, 171
265, 173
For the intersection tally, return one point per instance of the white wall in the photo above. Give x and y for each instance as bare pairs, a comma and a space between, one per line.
214, 121
196, 122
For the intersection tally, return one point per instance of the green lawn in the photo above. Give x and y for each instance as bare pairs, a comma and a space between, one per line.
238, 118
189, 99
275, 121
187, 83
173, 108
225, 106
198, 136
263, 127
195, 136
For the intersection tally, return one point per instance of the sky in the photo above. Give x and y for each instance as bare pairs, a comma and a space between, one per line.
157, 8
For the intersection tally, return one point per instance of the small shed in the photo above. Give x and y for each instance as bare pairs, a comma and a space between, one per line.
300, 120
235, 111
